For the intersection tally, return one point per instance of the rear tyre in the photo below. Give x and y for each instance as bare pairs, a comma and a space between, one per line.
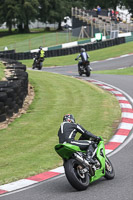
109, 170
73, 170
88, 71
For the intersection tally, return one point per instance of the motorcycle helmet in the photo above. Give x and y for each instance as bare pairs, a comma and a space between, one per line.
69, 118
82, 50
40, 48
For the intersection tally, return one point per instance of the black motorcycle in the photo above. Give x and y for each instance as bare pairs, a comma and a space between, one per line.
38, 63
84, 68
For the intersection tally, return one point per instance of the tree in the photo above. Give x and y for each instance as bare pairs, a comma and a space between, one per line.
129, 5
27, 11
8, 10
19, 12
55, 10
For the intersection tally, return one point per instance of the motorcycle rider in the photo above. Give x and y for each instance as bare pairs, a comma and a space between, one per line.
84, 57
41, 54
68, 131
39, 57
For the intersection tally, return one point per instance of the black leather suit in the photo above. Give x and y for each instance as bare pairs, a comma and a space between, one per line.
68, 131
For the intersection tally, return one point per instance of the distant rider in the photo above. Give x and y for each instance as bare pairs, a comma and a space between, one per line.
84, 57
41, 54
68, 131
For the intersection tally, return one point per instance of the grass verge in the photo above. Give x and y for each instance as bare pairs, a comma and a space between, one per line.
122, 71
26, 42
27, 145
1, 71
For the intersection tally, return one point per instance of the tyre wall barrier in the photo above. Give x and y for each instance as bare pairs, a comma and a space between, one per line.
13, 89
66, 51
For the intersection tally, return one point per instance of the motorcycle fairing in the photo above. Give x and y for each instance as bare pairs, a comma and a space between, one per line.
101, 157
67, 150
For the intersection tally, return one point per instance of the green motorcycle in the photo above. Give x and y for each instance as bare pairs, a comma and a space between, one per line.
79, 172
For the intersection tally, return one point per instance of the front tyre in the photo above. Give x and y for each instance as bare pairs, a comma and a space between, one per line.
33, 66
109, 170
74, 173
79, 70
80, 73
40, 65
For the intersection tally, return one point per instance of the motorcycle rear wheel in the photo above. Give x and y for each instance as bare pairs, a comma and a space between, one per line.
88, 71
109, 170
73, 170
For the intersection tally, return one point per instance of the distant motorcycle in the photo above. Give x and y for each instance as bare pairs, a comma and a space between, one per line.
84, 68
37, 63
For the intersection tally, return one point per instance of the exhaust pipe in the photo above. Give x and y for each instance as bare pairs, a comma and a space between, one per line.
85, 163
80, 159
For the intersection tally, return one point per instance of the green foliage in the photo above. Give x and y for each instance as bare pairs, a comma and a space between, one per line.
21, 12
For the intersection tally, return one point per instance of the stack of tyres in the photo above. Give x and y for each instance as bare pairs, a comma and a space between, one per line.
3, 98
14, 90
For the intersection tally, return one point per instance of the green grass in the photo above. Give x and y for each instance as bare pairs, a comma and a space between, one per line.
29, 41
27, 145
100, 54
1, 70
124, 71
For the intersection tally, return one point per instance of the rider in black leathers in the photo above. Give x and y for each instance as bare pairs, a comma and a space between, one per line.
84, 57
68, 131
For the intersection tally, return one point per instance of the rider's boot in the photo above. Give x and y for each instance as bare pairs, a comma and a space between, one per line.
89, 156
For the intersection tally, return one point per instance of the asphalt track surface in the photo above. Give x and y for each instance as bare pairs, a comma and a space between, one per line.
121, 187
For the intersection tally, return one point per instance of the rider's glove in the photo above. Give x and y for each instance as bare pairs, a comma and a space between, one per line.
76, 59
98, 139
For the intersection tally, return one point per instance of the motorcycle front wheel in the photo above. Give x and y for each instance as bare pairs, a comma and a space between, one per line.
109, 170
74, 173
40, 65
79, 70
33, 66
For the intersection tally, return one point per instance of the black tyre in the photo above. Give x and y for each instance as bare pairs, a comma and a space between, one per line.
3, 84
80, 73
2, 118
88, 71
33, 66
109, 170
16, 109
79, 70
2, 108
9, 113
3, 96
80, 181
9, 91
40, 65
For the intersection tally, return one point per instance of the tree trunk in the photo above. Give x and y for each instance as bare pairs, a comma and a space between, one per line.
26, 28
9, 25
59, 26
